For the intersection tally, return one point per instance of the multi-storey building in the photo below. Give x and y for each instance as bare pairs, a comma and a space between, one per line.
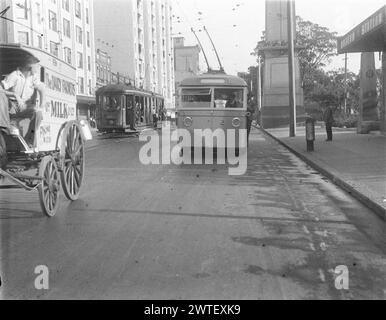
65, 29
103, 68
186, 61
137, 36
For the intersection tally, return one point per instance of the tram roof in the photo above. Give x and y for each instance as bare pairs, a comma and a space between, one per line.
213, 79
122, 88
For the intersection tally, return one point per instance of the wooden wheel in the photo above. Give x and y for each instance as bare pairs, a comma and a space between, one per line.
72, 154
49, 188
3, 151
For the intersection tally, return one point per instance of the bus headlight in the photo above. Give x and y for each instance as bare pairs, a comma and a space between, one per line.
188, 121
236, 122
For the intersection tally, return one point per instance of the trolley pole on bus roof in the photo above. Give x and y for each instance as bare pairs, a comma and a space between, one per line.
291, 67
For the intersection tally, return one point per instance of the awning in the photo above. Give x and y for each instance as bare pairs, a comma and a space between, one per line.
369, 36
85, 100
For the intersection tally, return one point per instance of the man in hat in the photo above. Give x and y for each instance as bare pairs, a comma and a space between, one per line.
20, 88
328, 118
251, 109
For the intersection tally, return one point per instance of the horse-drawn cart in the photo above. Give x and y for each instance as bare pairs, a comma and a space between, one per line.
58, 158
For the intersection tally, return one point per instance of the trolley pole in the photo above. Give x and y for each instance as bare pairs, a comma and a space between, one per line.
291, 67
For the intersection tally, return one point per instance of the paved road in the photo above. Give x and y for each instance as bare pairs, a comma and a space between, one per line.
193, 232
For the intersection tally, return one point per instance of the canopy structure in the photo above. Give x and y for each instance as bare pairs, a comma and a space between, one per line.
12, 55
368, 36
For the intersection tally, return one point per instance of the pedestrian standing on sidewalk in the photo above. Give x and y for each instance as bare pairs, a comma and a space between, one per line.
250, 112
328, 118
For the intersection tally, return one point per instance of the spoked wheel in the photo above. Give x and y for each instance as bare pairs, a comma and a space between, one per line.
3, 151
49, 187
72, 153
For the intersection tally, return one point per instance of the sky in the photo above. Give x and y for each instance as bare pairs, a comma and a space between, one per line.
236, 26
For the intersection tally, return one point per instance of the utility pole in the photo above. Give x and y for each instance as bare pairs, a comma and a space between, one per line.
259, 86
291, 67
345, 83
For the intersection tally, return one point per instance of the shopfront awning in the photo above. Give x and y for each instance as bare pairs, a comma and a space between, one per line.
369, 36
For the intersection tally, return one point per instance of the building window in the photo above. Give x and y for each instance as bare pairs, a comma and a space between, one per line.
87, 21
23, 37
40, 42
88, 39
80, 85
88, 63
54, 48
38, 13
79, 35
52, 20
22, 10
89, 87
80, 60
67, 55
66, 28
66, 5
77, 10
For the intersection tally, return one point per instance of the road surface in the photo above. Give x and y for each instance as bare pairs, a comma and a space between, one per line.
193, 232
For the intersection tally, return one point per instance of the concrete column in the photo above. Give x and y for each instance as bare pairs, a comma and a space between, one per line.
368, 113
383, 105
275, 109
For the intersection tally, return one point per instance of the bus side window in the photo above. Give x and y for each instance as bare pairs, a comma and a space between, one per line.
42, 73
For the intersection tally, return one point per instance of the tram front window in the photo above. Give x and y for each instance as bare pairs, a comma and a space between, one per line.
113, 102
228, 98
196, 98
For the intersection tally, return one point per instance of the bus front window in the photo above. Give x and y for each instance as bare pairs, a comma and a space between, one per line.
229, 98
196, 98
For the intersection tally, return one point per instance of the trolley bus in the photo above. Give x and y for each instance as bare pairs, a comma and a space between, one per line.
122, 107
214, 100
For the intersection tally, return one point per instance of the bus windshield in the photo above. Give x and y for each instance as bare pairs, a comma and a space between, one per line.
228, 98
196, 98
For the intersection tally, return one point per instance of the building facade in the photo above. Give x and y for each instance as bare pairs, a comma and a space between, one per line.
65, 29
137, 36
186, 61
103, 68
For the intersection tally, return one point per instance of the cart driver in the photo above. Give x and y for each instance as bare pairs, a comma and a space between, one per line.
20, 88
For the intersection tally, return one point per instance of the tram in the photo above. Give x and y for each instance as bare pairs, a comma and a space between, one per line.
122, 107
214, 100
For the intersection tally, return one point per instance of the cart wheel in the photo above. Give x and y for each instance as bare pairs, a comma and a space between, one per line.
72, 152
3, 151
50, 186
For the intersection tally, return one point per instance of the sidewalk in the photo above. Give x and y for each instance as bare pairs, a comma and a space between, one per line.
354, 162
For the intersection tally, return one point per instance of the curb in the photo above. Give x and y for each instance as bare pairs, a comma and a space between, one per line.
378, 209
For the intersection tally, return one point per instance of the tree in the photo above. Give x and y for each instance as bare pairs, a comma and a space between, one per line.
328, 88
318, 45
